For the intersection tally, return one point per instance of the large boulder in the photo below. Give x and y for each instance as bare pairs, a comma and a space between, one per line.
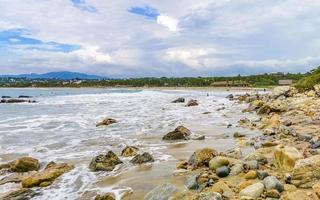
161, 192
47, 176
192, 102
285, 157
306, 172
180, 133
129, 151
106, 122
23, 164
105, 162
280, 91
252, 191
274, 106
142, 158
202, 157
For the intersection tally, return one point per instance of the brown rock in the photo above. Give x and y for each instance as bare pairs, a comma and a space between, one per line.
180, 133
25, 164
129, 151
202, 157
192, 102
104, 197
106, 122
251, 175
285, 157
105, 162
306, 172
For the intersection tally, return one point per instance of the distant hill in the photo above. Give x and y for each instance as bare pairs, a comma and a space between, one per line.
62, 75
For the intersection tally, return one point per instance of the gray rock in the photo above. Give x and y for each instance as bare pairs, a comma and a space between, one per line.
251, 165
262, 174
253, 191
142, 158
223, 171
304, 137
210, 196
161, 192
179, 100
22, 194
236, 169
191, 182
271, 182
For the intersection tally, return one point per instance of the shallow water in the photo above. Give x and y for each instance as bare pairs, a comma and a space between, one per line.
61, 127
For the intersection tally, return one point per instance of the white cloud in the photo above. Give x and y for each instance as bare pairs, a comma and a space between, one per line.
170, 22
91, 54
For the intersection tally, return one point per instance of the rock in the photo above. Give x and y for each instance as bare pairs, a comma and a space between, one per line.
254, 191
236, 169
182, 165
262, 174
104, 197
304, 137
106, 122
202, 157
256, 104
271, 182
192, 102
251, 175
25, 164
222, 171
105, 162
191, 182
16, 101
221, 108
5, 97
161, 192
25, 96
15, 177
222, 188
273, 193
129, 151
210, 196
238, 135
306, 172
287, 178
230, 96
251, 165
285, 157
266, 153
195, 136
142, 158
180, 133
178, 100
47, 176
297, 195
316, 188
217, 162
21, 194
280, 91
206, 113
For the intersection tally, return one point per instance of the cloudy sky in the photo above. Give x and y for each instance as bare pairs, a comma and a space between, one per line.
125, 38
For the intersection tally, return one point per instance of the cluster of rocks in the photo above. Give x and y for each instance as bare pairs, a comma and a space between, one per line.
191, 102
27, 172
20, 99
110, 160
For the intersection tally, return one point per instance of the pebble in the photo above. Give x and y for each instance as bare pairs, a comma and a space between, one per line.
271, 182
222, 171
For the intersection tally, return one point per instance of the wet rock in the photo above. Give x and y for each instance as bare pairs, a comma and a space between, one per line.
22, 194
15, 177
253, 191
285, 157
25, 96
202, 157
251, 174
306, 172
180, 133
106, 122
266, 153
217, 162
192, 102
262, 174
47, 176
105, 162
191, 182
182, 165
273, 193
129, 151
236, 169
104, 197
238, 135
206, 113
271, 182
178, 100
25, 164
222, 171
142, 158
161, 192
221, 108
16, 101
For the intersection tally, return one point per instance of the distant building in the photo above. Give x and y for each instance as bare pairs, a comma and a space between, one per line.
285, 82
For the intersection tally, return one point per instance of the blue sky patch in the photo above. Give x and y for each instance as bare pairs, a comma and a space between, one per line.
16, 37
145, 11
82, 5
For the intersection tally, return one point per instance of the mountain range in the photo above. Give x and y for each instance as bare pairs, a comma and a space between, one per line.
62, 75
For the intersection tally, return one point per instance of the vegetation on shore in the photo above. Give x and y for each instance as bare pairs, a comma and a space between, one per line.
309, 80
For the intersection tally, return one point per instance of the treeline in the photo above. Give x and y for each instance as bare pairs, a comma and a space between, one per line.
260, 80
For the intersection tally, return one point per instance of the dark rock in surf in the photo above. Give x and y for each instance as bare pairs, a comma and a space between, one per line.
180, 133
192, 102
105, 162
106, 122
179, 100
142, 158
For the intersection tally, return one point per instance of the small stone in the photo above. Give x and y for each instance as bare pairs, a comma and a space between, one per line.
236, 169
192, 102
271, 182
182, 165
251, 165
253, 191
179, 100
142, 158
129, 151
191, 182
251, 174
217, 162
222, 171
180, 133
262, 174
287, 178
273, 193
238, 135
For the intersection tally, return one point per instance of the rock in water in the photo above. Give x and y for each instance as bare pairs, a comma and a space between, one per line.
129, 151
47, 176
179, 100
143, 158
253, 191
285, 157
106, 122
202, 157
192, 102
105, 162
180, 133
22, 194
24, 164
161, 192
104, 197
306, 172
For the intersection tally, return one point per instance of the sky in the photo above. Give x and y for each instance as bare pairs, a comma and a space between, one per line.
141, 38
